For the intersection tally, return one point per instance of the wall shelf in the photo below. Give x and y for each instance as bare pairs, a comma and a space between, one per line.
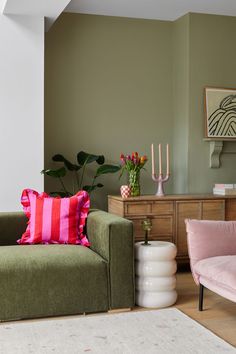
216, 149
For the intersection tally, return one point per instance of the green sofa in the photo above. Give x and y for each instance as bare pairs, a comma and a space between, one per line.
52, 280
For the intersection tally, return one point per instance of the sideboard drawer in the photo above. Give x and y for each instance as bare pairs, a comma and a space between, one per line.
156, 208
162, 208
161, 226
137, 209
213, 210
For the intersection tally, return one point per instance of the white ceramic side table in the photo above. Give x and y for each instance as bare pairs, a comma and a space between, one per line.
155, 274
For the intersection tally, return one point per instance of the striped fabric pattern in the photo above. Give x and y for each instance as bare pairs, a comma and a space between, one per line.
55, 220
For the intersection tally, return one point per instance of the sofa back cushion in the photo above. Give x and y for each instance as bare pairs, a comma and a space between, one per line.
55, 220
207, 238
12, 225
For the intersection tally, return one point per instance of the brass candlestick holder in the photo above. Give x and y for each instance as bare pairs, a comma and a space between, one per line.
147, 226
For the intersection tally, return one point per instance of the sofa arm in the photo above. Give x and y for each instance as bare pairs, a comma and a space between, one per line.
112, 237
12, 226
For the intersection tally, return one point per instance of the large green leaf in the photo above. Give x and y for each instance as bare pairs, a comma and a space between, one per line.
60, 194
61, 172
84, 158
89, 189
107, 169
69, 165
100, 160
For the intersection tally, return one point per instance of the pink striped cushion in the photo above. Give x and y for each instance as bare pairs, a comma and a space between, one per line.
55, 220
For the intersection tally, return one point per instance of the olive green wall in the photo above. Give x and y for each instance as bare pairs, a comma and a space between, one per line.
108, 90
212, 57
181, 103
116, 85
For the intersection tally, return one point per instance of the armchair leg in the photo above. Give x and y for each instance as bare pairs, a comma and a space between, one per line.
201, 291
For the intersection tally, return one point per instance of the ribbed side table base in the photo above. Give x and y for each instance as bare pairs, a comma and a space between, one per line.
155, 274
156, 299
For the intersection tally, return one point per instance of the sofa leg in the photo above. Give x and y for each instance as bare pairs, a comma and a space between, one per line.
123, 309
201, 291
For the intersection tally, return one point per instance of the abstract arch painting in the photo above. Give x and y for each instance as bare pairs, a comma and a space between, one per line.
220, 110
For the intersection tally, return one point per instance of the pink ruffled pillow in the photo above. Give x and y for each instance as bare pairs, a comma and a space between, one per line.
55, 220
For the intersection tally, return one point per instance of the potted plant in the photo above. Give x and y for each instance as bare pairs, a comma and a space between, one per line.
77, 172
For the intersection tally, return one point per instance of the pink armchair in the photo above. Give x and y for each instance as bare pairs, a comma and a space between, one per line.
212, 253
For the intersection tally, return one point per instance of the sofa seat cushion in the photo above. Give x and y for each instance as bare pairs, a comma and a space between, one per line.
220, 271
50, 280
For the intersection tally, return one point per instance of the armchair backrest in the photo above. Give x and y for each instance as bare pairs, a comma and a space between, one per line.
207, 238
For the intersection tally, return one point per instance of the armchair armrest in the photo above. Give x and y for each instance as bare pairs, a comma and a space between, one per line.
12, 226
112, 237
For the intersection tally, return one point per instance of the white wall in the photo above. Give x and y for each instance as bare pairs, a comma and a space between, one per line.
50, 9
21, 107
2, 5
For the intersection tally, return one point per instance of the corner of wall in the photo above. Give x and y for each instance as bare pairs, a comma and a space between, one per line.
181, 102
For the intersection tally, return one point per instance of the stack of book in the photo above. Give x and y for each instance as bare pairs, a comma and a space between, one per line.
225, 189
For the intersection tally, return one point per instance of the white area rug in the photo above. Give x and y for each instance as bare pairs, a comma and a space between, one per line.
157, 331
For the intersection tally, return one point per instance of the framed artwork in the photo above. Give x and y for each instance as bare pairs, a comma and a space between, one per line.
220, 113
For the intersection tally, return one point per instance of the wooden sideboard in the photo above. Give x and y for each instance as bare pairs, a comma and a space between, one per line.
169, 212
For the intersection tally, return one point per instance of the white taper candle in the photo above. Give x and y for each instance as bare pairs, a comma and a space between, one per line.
167, 160
153, 160
160, 160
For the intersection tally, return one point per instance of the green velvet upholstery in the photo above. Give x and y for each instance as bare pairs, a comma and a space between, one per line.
112, 237
47, 280
12, 225
50, 280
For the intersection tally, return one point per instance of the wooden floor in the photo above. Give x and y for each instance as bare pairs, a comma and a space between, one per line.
219, 314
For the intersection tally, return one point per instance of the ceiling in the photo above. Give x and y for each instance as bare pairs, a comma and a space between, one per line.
49, 9
152, 9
